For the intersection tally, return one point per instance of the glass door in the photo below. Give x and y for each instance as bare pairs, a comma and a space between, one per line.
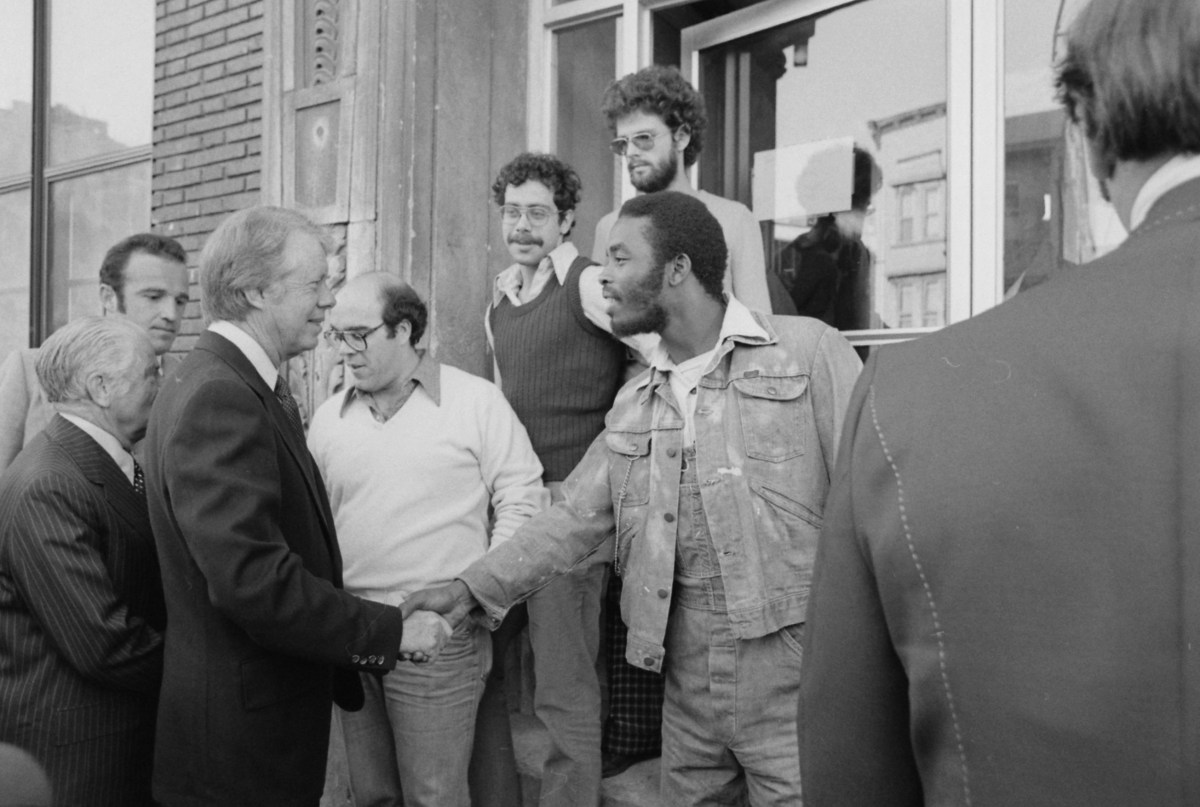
829, 120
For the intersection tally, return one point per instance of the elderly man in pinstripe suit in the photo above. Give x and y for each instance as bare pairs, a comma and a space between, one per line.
81, 603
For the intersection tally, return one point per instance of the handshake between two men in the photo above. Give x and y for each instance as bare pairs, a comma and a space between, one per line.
430, 617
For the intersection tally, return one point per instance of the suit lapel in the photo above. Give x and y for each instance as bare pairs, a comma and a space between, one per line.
99, 468
237, 360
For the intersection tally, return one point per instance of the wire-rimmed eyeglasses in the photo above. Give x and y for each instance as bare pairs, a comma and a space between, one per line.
536, 214
355, 340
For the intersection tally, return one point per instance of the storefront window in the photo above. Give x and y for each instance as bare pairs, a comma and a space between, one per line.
92, 181
95, 112
1053, 214
832, 129
14, 270
89, 214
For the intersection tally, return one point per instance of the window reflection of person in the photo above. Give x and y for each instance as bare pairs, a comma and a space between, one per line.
829, 266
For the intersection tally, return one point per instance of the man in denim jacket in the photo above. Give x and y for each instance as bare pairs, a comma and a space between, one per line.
712, 472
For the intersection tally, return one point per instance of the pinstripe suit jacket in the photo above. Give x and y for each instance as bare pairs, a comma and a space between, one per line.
81, 615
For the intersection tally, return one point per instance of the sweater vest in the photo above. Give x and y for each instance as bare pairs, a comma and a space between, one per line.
560, 372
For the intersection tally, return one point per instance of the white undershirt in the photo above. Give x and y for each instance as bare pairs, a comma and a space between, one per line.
684, 379
1171, 174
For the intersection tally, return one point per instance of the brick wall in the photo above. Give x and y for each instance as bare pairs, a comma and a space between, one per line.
208, 75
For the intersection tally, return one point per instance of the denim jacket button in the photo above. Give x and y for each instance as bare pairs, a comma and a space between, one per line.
669, 517
663, 593
671, 452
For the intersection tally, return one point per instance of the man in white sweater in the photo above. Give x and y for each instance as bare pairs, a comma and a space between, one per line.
412, 454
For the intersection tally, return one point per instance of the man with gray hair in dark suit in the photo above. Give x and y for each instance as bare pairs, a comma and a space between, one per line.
81, 603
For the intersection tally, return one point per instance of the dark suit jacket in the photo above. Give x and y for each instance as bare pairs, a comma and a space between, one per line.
81, 615
1006, 608
261, 636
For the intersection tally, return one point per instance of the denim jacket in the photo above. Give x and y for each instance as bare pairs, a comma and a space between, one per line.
768, 419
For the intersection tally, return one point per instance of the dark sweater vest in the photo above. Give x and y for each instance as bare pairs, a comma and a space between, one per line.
560, 372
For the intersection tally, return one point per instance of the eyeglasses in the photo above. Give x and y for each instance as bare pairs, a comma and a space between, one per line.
355, 340
642, 141
537, 214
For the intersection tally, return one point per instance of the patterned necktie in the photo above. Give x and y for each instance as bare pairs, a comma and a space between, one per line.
284, 394
139, 480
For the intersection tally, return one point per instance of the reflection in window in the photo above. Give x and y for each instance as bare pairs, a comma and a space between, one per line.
920, 300
817, 124
1053, 214
16, 89
92, 111
88, 215
14, 270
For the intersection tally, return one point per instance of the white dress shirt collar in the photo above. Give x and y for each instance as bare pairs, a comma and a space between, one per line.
1171, 174
111, 445
252, 350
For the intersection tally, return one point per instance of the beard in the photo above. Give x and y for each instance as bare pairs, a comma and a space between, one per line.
660, 177
643, 313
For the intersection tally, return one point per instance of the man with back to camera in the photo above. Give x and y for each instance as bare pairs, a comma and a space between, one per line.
711, 474
144, 277
81, 601
1005, 607
261, 639
413, 454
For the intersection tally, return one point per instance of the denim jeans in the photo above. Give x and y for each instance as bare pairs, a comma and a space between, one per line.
729, 714
415, 731
564, 630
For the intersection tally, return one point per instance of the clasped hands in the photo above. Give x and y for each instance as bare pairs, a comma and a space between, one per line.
430, 617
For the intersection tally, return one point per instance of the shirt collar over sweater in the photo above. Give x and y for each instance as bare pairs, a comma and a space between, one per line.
428, 376
557, 264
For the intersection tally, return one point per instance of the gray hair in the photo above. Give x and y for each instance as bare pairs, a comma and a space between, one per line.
105, 345
245, 253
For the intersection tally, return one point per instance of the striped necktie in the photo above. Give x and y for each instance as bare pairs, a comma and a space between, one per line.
284, 394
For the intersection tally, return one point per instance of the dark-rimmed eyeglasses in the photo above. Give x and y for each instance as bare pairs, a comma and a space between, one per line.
642, 141
355, 340
536, 214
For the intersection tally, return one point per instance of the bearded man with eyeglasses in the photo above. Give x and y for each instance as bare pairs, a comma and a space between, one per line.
659, 122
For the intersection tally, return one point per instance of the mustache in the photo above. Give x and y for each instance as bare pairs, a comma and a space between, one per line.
525, 240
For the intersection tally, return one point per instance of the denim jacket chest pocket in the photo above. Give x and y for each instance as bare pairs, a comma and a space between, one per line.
629, 481
774, 414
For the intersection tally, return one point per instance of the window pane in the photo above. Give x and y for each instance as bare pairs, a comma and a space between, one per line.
14, 270
820, 125
16, 87
88, 215
1054, 216
99, 111
585, 63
